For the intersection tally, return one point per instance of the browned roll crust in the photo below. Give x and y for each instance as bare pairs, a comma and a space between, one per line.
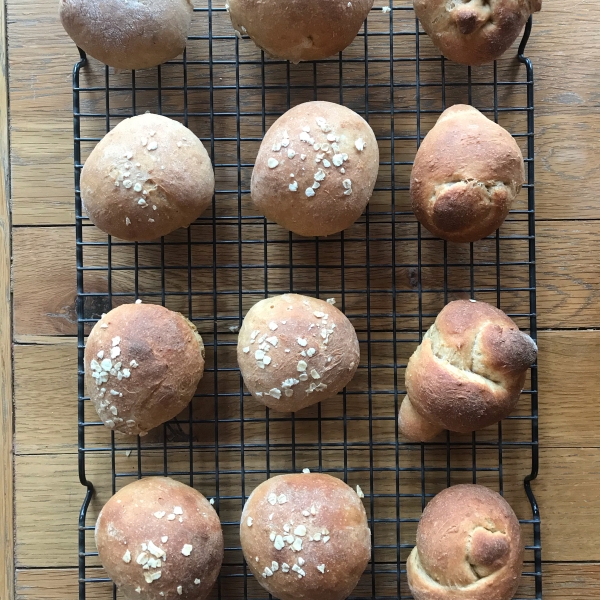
474, 32
294, 351
467, 373
305, 537
299, 30
316, 182
466, 175
142, 366
159, 539
468, 547
147, 177
136, 34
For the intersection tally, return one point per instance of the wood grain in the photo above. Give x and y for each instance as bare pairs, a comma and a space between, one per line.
566, 418
568, 382
48, 494
52, 368
562, 581
6, 414
45, 285
56, 584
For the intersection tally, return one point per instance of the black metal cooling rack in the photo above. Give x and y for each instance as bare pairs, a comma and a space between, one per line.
386, 272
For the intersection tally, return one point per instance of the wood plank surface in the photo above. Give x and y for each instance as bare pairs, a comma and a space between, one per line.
562, 581
6, 411
48, 493
45, 284
566, 417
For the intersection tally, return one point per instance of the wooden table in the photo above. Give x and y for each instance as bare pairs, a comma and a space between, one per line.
42, 447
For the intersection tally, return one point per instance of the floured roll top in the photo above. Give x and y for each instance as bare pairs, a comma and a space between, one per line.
128, 34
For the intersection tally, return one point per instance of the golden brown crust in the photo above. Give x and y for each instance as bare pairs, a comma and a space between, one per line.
185, 533
474, 32
345, 175
299, 30
148, 360
294, 351
147, 177
467, 373
327, 525
413, 426
128, 35
466, 175
469, 547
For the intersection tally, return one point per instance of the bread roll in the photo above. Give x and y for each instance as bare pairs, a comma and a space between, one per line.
159, 539
316, 169
468, 547
142, 366
299, 30
305, 537
133, 34
294, 351
149, 176
474, 32
466, 175
467, 373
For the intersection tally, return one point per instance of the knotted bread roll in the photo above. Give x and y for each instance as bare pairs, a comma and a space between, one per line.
467, 173
474, 32
468, 547
467, 373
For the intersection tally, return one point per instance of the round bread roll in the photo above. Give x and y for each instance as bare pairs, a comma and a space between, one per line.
305, 537
147, 177
300, 29
474, 33
467, 373
466, 175
316, 169
159, 539
294, 351
131, 34
468, 547
142, 366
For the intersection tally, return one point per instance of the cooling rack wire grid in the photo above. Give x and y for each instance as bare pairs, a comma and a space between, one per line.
387, 274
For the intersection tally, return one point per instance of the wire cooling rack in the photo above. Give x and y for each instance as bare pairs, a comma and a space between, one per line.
389, 275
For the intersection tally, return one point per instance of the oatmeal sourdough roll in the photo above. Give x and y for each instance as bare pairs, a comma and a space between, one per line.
159, 539
469, 547
147, 177
128, 34
474, 32
299, 29
466, 175
467, 373
294, 351
305, 537
316, 169
142, 365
